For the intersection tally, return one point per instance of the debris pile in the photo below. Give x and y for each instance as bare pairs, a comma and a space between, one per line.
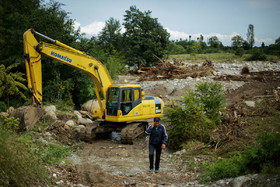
177, 70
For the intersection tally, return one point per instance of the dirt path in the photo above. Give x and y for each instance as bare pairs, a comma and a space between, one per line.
109, 163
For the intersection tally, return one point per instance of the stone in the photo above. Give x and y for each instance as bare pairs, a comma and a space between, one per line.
84, 121
79, 127
10, 111
67, 127
88, 133
47, 134
90, 105
78, 114
239, 181
51, 116
28, 116
250, 103
61, 182
50, 108
70, 123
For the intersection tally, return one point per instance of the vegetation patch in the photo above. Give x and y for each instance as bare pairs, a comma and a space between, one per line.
195, 114
23, 157
257, 158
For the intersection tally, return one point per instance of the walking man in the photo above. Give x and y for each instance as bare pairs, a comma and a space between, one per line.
158, 139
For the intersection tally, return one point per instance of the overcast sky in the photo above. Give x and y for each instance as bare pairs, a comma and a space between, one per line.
181, 18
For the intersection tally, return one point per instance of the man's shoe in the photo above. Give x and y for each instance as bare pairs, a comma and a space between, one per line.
151, 171
156, 171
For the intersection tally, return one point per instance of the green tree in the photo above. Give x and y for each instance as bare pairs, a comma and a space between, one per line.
245, 45
250, 35
201, 38
110, 37
194, 47
277, 41
48, 19
174, 49
236, 41
145, 38
214, 42
239, 52
11, 83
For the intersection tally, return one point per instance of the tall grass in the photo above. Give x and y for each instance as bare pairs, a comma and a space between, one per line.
18, 165
23, 159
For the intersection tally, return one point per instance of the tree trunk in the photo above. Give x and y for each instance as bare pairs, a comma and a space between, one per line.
8, 101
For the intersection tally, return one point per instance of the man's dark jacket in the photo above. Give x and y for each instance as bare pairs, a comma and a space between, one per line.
157, 135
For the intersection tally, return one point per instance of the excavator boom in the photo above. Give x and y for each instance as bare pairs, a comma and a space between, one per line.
64, 54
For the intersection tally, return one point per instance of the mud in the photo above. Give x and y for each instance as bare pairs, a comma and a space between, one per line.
109, 163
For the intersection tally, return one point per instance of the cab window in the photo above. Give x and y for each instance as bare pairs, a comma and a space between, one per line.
136, 94
126, 101
127, 95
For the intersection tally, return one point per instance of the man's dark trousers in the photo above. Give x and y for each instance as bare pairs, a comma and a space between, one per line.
152, 148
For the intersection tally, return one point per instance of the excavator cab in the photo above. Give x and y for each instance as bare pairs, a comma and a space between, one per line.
122, 99
128, 103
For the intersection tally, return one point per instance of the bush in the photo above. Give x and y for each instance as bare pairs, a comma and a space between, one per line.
222, 168
10, 124
3, 106
195, 114
257, 55
239, 52
210, 95
59, 91
188, 121
254, 159
267, 152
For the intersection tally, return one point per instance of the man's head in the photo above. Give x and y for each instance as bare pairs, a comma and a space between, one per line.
156, 121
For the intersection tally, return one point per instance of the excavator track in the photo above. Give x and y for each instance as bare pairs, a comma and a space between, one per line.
132, 131
88, 133
129, 132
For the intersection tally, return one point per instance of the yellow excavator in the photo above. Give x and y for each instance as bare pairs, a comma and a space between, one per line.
123, 105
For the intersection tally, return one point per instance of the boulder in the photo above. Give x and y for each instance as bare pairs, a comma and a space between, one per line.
50, 108
84, 121
51, 116
250, 103
67, 127
70, 123
79, 127
239, 181
28, 116
10, 111
90, 105
78, 114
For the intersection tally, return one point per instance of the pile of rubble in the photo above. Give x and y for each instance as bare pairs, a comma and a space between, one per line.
177, 70
66, 127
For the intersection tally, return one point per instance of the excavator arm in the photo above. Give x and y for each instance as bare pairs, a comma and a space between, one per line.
63, 54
